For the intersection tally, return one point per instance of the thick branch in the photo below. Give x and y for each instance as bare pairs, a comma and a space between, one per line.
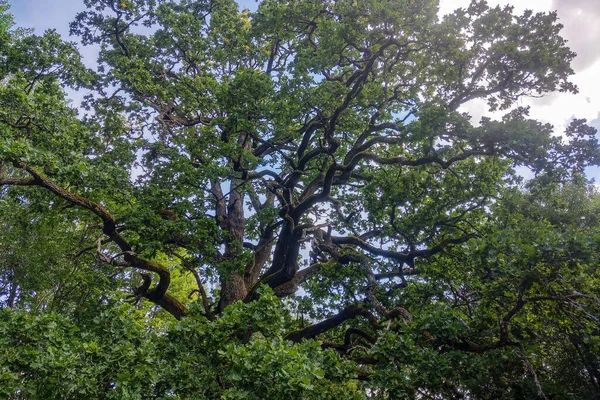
18, 181
434, 159
157, 294
394, 255
291, 286
350, 312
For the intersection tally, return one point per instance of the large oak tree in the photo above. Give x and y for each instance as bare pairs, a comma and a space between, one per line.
315, 152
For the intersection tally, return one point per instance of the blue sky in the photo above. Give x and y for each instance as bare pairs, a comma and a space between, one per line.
45, 14
42, 15
48, 14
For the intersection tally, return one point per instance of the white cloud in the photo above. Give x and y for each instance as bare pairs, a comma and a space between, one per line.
581, 20
586, 104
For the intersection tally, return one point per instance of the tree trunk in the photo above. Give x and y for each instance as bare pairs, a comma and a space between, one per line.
233, 287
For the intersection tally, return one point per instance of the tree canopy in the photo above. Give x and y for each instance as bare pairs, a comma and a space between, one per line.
288, 203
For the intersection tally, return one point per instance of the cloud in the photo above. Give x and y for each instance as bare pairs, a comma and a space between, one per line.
596, 122
581, 20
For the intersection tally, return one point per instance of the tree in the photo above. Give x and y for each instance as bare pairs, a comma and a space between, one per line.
308, 145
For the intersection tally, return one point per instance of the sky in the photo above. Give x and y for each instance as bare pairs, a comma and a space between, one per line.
581, 20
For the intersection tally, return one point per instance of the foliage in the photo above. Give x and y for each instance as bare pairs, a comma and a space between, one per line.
287, 203
114, 355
